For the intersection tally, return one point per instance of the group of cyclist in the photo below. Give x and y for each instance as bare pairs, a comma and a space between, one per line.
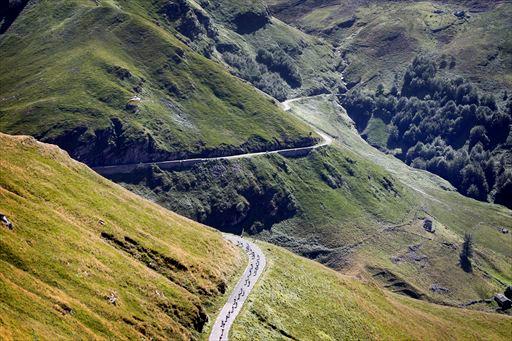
253, 271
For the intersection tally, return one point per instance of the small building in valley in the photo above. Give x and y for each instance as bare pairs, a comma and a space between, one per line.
503, 301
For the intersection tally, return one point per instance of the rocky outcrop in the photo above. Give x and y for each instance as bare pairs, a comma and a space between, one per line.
115, 144
195, 25
191, 22
5, 221
120, 143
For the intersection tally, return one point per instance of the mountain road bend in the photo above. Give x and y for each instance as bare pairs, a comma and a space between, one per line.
172, 164
235, 302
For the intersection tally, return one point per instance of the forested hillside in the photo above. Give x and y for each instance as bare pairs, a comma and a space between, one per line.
445, 126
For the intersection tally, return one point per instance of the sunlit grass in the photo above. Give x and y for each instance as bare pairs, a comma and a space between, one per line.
55, 259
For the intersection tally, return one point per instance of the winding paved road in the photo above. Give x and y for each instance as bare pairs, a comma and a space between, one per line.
233, 306
170, 164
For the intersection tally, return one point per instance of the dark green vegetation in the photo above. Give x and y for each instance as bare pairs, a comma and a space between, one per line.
379, 39
443, 126
70, 71
469, 39
415, 257
252, 195
467, 253
87, 257
301, 300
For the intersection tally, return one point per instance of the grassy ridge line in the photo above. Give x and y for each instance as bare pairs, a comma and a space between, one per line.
103, 55
301, 299
57, 271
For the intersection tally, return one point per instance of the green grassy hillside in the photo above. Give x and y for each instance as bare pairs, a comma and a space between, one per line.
88, 259
70, 69
380, 38
302, 300
405, 248
255, 46
350, 207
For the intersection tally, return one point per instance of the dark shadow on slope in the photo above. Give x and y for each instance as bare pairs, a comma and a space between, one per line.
9, 11
394, 283
250, 22
220, 194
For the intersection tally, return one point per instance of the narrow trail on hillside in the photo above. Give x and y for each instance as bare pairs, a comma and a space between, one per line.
241, 291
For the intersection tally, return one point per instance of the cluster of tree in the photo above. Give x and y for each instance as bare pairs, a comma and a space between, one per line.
444, 126
278, 61
258, 74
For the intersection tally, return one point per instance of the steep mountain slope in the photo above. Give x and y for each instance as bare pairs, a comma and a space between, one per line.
406, 248
255, 46
275, 57
88, 259
111, 83
467, 44
301, 300
348, 206
380, 38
